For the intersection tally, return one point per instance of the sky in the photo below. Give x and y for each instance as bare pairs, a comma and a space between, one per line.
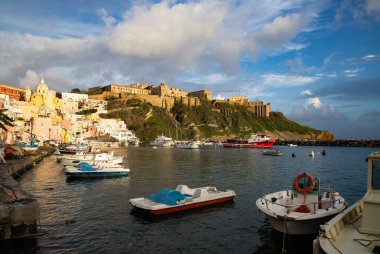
318, 62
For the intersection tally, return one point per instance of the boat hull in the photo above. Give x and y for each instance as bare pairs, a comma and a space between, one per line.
298, 227
95, 174
249, 145
185, 207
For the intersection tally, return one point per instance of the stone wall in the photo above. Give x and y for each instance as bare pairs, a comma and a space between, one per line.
162, 102
19, 212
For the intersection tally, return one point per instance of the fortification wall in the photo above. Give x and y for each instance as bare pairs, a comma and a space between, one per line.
162, 102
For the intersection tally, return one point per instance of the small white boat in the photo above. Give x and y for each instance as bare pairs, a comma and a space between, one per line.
311, 154
162, 141
85, 170
276, 152
134, 141
301, 209
187, 145
74, 148
180, 199
357, 229
91, 158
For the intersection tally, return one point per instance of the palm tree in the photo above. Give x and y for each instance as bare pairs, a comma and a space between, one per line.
5, 120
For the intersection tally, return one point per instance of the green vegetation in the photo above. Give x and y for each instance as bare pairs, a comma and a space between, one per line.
87, 111
209, 120
5, 120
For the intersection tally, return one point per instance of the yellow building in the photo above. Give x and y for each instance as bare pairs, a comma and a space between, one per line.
239, 99
202, 94
44, 99
164, 90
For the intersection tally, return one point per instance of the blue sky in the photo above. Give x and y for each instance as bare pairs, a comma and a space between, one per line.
318, 62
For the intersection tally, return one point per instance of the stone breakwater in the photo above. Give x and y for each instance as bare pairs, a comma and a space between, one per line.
340, 143
19, 211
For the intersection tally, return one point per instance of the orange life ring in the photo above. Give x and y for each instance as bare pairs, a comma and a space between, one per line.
302, 190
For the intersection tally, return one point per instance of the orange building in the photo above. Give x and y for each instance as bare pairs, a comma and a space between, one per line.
13, 92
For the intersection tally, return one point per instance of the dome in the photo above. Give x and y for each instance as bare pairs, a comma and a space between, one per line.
41, 87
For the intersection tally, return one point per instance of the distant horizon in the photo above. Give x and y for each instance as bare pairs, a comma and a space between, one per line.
316, 61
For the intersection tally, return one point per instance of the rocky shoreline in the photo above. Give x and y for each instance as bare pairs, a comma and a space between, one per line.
19, 211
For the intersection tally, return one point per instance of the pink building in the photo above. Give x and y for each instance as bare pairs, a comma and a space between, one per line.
42, 128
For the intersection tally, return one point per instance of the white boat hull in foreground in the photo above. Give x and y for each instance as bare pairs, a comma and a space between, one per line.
295, 213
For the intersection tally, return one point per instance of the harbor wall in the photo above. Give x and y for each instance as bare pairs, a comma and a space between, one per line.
19, 211
338, 142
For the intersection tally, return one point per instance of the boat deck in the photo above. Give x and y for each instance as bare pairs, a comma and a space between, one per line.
359, 243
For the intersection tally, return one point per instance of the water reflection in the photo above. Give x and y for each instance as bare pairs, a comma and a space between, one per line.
84, 216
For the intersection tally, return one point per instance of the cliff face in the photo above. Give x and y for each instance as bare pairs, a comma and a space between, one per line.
206, 121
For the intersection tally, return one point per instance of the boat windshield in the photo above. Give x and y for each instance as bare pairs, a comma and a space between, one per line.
376, 175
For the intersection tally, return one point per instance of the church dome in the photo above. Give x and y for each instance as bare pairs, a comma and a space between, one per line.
41, 87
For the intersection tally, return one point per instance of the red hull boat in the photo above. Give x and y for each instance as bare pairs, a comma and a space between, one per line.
254, 141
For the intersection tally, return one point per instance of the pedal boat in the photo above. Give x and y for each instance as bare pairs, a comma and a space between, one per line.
181, 199
300, 210
85, 170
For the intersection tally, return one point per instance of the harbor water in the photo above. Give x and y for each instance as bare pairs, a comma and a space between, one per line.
94, 216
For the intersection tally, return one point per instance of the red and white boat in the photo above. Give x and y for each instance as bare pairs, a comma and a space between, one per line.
181, 199
254, 141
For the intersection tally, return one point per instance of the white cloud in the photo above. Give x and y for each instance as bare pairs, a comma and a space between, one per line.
30, 79
371, 57
315, 102
219, 97
350, 73
211, 79
315, 111
160, 42
162, 30
306, 93
279, 80
373, 6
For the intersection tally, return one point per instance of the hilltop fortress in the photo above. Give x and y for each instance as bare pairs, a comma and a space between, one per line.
164, 96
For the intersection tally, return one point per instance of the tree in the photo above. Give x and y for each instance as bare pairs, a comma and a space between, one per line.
5, 120
76, 90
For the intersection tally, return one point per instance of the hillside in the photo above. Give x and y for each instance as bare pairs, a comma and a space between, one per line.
208, 121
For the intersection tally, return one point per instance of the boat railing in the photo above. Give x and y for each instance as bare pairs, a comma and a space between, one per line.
291, 207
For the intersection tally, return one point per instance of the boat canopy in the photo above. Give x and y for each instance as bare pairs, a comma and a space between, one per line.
167, 197
84, 166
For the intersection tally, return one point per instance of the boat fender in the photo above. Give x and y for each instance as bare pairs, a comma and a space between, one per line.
300, 189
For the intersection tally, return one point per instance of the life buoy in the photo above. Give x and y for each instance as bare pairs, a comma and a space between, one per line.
304, 190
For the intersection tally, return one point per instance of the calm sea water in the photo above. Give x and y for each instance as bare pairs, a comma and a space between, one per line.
94, 216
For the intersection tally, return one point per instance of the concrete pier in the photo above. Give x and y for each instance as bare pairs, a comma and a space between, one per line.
19, 211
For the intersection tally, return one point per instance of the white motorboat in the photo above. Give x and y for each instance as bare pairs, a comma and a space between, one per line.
134, 141
85, 170
301, 209
91, 158
162, 141
181, 199
187, 145
357, 229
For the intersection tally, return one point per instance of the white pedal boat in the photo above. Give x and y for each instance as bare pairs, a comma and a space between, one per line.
85, 170
180, 199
